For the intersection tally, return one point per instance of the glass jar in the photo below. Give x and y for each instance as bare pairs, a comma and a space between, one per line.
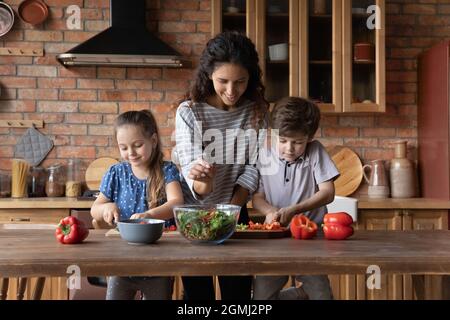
55, 182
5, 185
36, 182
73, 182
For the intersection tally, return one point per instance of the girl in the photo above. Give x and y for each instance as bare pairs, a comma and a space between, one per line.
143, 186
227, 96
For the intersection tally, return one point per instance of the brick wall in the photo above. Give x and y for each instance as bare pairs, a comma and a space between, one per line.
79, 105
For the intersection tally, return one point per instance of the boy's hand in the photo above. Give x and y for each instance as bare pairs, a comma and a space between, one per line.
110, 213
271, 217
285, 215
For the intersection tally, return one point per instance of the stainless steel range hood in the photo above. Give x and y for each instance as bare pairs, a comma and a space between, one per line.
127, 42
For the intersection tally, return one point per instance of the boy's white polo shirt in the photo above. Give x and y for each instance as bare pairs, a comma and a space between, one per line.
288, 183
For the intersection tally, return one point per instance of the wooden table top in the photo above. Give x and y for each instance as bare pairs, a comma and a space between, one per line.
363, 203
37, 253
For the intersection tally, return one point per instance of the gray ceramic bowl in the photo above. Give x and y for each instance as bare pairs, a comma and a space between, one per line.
206, 224
141, 231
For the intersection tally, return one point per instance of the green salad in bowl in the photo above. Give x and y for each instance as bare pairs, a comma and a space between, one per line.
207, 223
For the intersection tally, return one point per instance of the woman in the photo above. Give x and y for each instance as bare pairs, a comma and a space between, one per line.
225, 104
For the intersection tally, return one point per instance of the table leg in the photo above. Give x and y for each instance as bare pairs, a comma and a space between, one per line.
21, 288
37, 293
4, 288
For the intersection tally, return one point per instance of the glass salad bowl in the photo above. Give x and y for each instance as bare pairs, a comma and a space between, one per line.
206, 224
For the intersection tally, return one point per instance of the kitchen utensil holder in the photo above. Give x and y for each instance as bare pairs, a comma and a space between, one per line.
9, 51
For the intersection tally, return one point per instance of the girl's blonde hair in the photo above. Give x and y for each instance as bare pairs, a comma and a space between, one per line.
146, 122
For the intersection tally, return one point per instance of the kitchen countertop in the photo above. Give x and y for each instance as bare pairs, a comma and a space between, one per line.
406, 203
45, 203
363, 203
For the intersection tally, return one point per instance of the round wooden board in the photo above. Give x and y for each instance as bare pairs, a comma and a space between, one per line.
96, 170
350, 168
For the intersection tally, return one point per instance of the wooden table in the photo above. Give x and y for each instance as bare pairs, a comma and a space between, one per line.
36, 253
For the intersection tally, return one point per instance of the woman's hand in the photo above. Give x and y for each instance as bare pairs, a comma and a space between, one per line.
203, 174
110, 213
202, 171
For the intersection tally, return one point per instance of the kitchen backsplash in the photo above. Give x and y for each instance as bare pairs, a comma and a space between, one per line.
79, 105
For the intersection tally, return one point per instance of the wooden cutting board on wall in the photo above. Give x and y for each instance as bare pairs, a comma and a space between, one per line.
96, 170
350, 168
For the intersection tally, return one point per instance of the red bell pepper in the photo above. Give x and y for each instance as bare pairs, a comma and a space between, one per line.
338, 217
70, 230
337, 226
302, 228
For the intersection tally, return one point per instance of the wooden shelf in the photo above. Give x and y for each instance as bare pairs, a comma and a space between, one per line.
277, 61
364, 62
278, 15
321, 16
321, 62
235, 15
361, 15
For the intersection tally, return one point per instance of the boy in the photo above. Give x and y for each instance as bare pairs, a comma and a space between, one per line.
295, 177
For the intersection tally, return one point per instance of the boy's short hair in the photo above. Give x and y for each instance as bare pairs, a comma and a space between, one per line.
293, 115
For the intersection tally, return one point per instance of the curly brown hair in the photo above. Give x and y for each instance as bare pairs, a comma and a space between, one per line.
230, 47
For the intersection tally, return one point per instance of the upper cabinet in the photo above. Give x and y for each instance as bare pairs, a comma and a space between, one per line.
331, 51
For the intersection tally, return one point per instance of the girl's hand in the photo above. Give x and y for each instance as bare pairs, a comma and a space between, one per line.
202, 171
110, 213
141, 216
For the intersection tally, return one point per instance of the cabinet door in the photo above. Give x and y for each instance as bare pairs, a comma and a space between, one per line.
363, 56
277, 45
380, 219
320, 56
425, 219
236, 15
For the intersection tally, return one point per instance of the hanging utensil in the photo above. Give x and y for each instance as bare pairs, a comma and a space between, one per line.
6, 18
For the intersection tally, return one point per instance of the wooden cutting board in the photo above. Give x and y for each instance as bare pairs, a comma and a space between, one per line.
261, 234
96, 170
350, 168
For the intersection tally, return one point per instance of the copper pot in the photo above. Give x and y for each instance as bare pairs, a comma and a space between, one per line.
33, 11
364, 52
